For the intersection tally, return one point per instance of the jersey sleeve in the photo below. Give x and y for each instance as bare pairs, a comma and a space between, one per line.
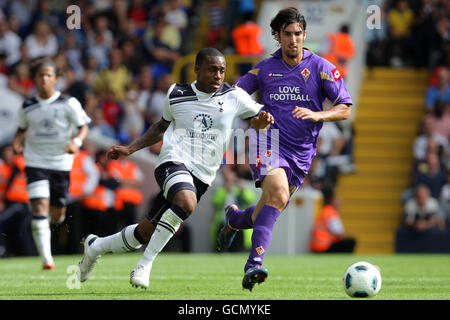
77, 114
249, 82
167, 112
246, 106
333, 85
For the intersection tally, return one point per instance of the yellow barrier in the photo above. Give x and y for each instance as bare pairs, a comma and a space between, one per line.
188, 61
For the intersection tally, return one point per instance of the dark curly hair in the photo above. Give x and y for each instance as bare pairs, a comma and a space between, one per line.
285, 17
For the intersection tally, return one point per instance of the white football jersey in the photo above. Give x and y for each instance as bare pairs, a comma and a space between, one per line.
201, 126
51, 124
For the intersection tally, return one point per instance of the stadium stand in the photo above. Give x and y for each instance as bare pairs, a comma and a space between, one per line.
158, 39
372, 208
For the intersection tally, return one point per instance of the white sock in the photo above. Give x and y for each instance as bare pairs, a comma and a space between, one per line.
123, 241
40, 230
166, 228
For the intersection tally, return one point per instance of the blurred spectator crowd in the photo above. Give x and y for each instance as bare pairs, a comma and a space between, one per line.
412, 33
427, 201
117, 64
416, 33
426, 43
103, 198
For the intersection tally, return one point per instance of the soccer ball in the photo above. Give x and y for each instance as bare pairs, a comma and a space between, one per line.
362, 280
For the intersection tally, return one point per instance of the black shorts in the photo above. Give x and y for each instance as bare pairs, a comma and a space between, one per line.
48, 184
171, 178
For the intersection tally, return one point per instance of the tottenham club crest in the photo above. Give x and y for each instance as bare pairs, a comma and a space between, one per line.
203, 122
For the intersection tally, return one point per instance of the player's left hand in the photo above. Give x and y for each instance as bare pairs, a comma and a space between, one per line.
262, 121
305, 113
72, 148
115, 152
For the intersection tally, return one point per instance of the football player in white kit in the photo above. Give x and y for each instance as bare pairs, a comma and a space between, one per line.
196, 126
52, 127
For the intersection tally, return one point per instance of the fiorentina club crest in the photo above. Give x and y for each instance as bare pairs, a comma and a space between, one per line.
305, 74
260, 250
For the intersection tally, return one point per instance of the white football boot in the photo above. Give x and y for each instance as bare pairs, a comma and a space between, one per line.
140, 276
89, 260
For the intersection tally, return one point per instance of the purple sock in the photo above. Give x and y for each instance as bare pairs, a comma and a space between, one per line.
242, 219
262, 233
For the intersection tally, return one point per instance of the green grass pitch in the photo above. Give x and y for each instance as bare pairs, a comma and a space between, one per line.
218, 277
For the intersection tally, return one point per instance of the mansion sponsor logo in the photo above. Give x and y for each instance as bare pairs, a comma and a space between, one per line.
200, 135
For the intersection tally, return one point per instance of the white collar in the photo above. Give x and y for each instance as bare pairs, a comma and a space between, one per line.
51, 99
199, 93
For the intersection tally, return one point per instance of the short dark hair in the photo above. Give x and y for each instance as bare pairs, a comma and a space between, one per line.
205, 52
285, 17
41, 63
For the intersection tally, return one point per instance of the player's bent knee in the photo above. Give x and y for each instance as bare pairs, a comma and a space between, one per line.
277, 198
189, 207
186, 201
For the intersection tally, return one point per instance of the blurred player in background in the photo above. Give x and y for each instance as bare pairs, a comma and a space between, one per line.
294, 84
52, 127
195, 127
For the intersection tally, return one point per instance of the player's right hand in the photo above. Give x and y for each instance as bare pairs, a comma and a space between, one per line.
116, 151
262, 121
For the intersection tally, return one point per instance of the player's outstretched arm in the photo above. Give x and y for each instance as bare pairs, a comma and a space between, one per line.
262, 121
336, 113
153, 135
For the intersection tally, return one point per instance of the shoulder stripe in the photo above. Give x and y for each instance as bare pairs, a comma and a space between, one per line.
224, 88
217, 94
254, 71
181, 90
62, 98
29, 102
325, 76
171, 102
181, 98
32, 107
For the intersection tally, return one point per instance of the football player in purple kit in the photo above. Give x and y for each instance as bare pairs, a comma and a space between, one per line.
294, 84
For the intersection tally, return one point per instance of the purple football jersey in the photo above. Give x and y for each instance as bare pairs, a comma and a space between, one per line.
284, 87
